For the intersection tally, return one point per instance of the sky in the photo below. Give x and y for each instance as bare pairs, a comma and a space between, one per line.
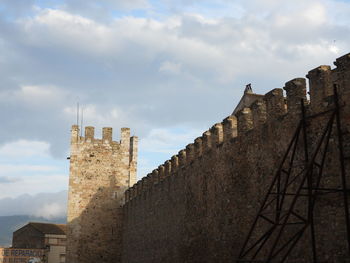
167, 69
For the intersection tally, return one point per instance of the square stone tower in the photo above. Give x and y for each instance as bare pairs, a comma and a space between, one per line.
100, 172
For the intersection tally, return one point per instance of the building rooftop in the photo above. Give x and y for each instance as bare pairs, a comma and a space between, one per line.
47, 228
248, 98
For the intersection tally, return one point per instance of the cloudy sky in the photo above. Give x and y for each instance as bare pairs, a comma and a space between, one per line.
167, 69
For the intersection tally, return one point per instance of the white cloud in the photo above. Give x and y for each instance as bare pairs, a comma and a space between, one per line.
175, 64
20, 169
161, 144
63, 29
205, 48
316, 14
24, 148
99, 116
39, 94
170, 67
111, 41
168, 140
47, 205
34, 184
51, 210
27, 167
7, 179
102, 6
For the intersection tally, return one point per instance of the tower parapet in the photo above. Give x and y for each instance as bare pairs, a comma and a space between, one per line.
100, 172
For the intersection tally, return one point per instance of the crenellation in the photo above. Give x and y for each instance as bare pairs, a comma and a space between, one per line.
138, 187
198, 147
133, 160
296, 92
107, 134
275, 104
189, 153
133, 148
155, 176
182, 158
167, 166
125, 136
89, 133
206, 141
229, 127
342, 73
75, 134
161, 172
149, 181
134, 191
174, 163
217, 134
244, 121
143, 184
320, 85
258, 109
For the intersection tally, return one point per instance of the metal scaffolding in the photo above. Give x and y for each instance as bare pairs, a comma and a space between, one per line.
287, 211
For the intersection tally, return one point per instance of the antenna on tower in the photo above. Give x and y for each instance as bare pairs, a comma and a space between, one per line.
78, 119
81, 122
78, 113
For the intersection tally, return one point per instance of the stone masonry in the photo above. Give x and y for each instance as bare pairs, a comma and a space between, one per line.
199, 205
100, 172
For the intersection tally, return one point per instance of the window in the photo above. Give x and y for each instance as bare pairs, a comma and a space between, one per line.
53, 241
62, 241
62, 258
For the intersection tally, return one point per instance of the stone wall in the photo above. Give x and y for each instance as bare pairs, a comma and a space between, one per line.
199, 206
100, 171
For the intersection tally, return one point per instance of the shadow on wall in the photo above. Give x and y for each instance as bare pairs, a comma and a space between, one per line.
97, 230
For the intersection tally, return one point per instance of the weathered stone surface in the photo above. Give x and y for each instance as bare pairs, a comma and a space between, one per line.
100, 172
203, 208
199, 206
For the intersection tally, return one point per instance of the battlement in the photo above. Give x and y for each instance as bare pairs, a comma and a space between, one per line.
267, 110
107, 136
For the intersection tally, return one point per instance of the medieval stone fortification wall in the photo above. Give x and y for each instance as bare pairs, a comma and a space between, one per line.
199, 206
100, 172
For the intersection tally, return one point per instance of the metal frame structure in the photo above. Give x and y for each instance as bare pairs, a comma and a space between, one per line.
287, 211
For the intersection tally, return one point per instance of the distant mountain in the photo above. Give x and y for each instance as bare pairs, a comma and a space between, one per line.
9, 224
